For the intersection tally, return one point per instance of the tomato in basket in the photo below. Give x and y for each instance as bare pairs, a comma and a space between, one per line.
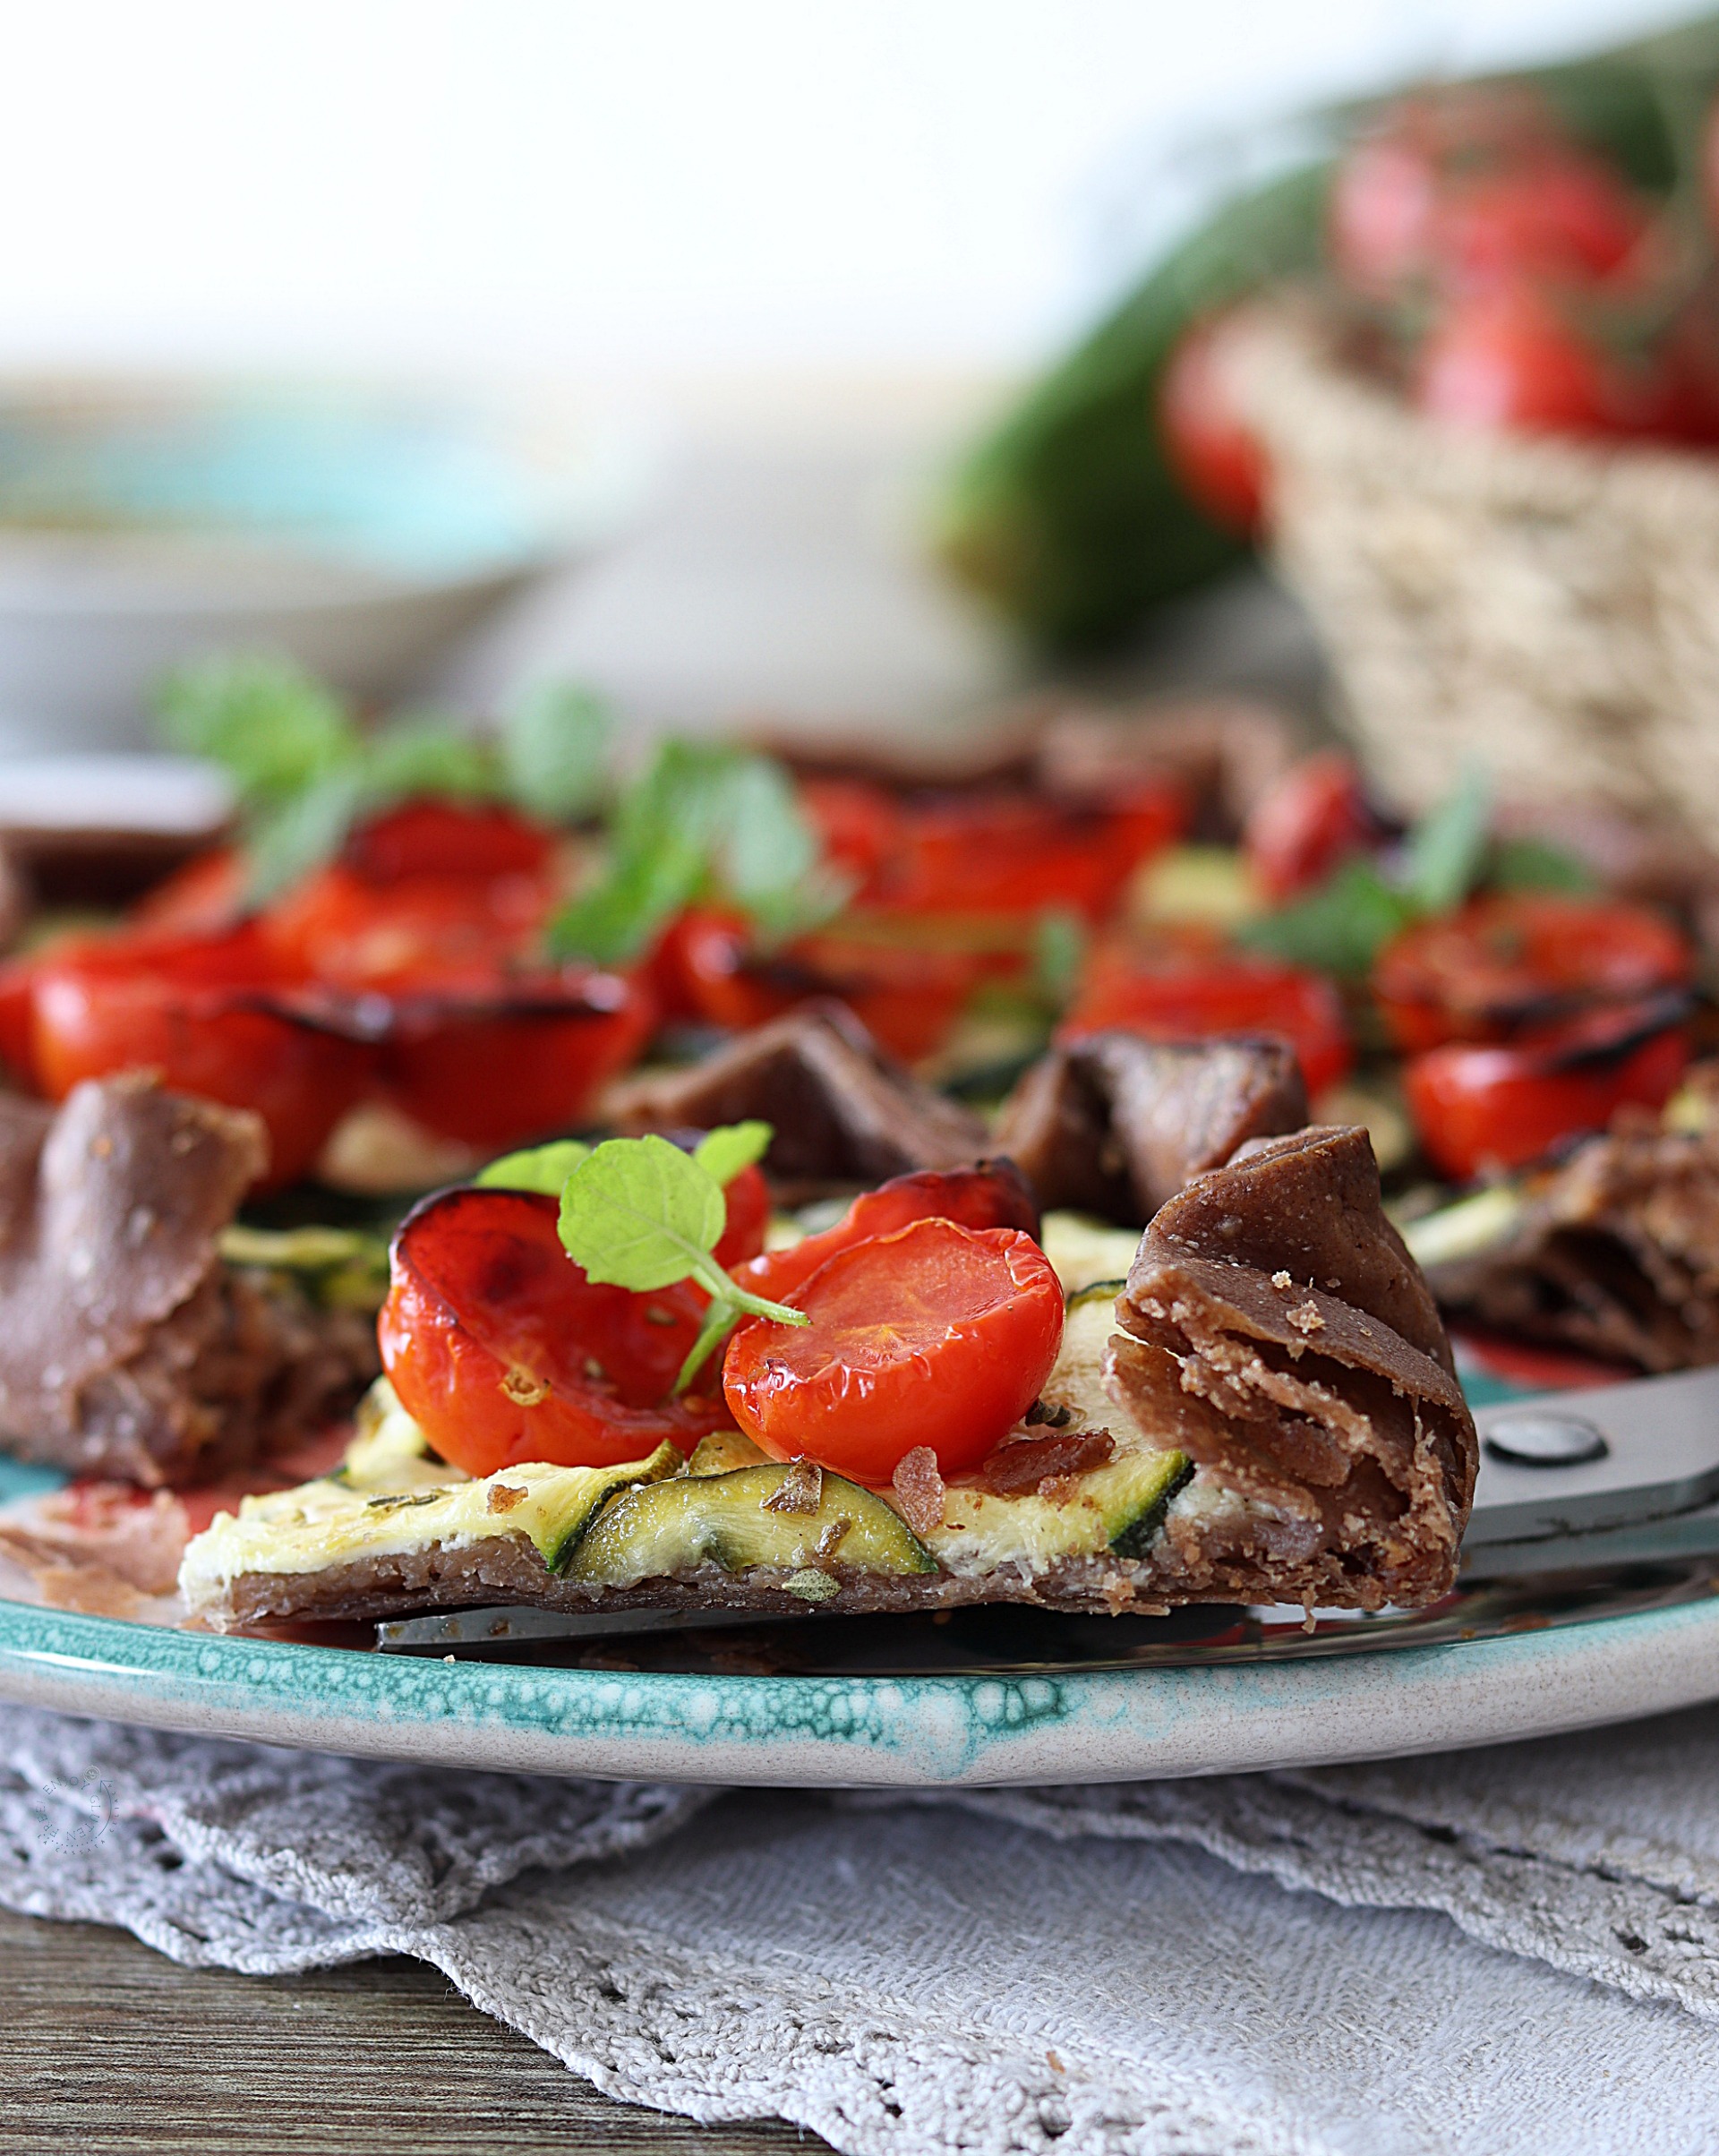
1216, 456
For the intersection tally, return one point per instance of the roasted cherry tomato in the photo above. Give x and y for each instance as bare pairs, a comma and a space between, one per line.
1314, 817
17, 1022
1190, 988
749, 1218
431, 836
1480, 1109
908, 991
203, 897
858, 825
214, 1016
1008, 854
993, 1194
337, 928
934, 1335
1521, 959
1563, 216
503, 1352
1505, 358
495, 1061
1208, 443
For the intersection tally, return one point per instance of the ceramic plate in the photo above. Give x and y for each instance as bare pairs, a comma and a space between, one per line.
1042, 1726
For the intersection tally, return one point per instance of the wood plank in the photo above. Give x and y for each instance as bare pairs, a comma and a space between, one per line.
107, 2046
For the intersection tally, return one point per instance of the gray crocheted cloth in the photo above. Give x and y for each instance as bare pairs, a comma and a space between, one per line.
1510, 1950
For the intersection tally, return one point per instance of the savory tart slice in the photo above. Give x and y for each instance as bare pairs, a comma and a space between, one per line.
913, 1412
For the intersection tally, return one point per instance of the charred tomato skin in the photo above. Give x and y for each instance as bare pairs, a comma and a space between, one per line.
1516, 959
1481, 1109
214, 1017
936, 1336
503, 1352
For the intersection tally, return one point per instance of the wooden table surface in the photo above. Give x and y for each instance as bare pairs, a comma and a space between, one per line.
107, 2045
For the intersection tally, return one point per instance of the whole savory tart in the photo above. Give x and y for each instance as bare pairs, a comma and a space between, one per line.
769, 1186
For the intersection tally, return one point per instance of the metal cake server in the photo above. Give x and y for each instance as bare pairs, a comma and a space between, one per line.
1612, 1492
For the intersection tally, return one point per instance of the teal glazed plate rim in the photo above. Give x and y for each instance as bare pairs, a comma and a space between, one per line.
1080, 1726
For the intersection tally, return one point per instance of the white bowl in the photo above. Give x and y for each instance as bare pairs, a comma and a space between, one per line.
360, 530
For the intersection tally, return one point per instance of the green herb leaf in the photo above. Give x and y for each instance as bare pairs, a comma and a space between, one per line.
274, 729
1339, 928
540, 1168
719, 1321
287, 841
1447, 850
724, 1152
555, 745
1059, 941
430, 755
639, 1214
1532, 864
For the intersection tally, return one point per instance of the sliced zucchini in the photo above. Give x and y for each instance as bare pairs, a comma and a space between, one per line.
725, 1518
388, 1451
323, 1523
1084, 1250
723, 1451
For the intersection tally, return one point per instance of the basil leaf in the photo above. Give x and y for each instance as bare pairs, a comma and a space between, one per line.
272, 727
1341, 928
639, 1214
1447, 850
428, 755
1533, 864
287, 842
539, 1167
555, 745
725, 1152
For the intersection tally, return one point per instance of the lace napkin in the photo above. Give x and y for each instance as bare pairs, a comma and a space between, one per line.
1514, 1950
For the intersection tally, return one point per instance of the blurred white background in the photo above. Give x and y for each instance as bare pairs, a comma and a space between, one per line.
806, 244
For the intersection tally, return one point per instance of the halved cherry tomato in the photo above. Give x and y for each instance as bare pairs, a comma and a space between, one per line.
433, 836
337, 927
1189, 988
993, 1194
502, 1352
1479, 1110
907, 990
214, 1016
1010, 854
749, 1218
203, 897
934, 1335
495, 1060
1517, 959
17, 1049
1314, 817
1208, 443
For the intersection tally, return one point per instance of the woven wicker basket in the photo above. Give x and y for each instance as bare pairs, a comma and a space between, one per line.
1546, 609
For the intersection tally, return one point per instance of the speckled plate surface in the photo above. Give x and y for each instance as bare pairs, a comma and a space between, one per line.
1087, 1725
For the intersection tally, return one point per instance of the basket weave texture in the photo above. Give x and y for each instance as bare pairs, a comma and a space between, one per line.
1546, 609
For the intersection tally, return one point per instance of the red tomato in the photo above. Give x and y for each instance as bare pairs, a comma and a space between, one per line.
1380, 213
858, 824
1314, 817
204, 896
214, 1017
17, 1051
908, 992
502, 1352
1505, 358
993, 1194
519, 1056
1480, 1109
1008, 854
1563, 216
337, 928
749, 1218
934, 1336
1190, 989
1209, 445
1518, 959
433, 836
